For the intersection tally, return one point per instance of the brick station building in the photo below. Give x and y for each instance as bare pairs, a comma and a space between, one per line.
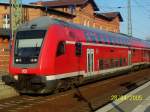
83, 12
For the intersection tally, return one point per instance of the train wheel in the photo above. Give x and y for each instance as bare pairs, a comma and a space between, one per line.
69, 83
63, 85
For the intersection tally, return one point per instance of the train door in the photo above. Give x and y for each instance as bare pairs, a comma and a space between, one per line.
129, 57
90, 61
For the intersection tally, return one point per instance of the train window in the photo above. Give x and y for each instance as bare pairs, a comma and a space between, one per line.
99, 39
114, 40
61, 48
116, 63
111, 63
78, 46
127, 42
122, 40
107, 63
111, 40
121, 61
124, 61
105, 39
133, 50
93, 36
119, 41
101, 63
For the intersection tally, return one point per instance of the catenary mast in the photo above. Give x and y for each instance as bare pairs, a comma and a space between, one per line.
15, 16
129, 26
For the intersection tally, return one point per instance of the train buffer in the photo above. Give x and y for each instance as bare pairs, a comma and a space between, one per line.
137, 100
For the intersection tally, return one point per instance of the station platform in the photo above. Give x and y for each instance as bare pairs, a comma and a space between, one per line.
6, 91
137, 100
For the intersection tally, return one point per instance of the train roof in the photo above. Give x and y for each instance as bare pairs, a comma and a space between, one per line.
107, 37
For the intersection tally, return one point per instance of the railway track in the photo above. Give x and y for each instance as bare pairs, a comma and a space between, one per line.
86, 98
17, 103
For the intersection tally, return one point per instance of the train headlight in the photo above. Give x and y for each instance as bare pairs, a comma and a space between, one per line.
18, 60
33, 60
16, 77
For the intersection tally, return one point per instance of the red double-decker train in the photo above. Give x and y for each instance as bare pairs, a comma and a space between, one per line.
48, 54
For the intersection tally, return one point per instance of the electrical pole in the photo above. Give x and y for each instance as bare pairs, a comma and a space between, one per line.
129, 29
15, 16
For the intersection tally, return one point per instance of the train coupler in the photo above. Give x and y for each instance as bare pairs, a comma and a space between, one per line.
9, 80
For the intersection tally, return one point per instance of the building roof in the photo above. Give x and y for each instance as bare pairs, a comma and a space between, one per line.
51, 10
24, 5
110, 15
63, 3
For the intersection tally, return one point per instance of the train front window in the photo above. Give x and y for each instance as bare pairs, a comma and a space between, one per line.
28, 44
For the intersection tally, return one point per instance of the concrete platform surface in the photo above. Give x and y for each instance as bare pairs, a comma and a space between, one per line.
6, 91
137, 100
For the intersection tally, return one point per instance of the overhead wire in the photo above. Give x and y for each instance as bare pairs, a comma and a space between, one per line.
142, 6
119, 7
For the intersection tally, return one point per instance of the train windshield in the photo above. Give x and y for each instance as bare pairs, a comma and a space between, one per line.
28, 43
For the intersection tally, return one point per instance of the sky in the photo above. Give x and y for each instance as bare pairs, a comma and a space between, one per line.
140, 14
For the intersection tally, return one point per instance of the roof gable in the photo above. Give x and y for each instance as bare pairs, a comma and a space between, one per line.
64, 3
110, 15
113, 15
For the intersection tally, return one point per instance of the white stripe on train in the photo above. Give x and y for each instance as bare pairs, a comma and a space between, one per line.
83, 73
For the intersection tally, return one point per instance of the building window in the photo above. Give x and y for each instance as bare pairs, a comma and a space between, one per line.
72, 9
84, 23
100, 27
101, 64
88, 23
65, 9
94, 25
6, 21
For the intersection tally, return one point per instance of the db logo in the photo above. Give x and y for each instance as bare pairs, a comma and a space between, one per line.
24, 71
